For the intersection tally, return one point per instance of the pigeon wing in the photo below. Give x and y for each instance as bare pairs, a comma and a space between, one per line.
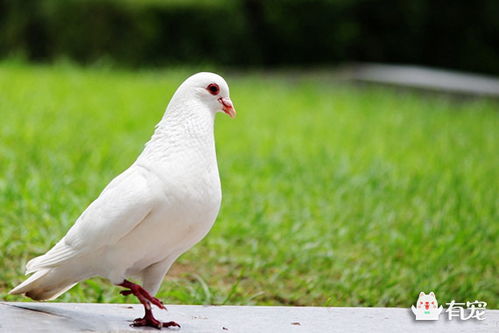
123, 204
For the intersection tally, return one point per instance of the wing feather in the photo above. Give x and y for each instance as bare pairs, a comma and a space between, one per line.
123, 204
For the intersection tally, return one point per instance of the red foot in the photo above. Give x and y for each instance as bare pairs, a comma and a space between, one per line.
142, 294
170, 324
152, 322
146, 299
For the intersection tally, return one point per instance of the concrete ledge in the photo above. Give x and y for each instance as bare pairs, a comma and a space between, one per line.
74, 317
425, 78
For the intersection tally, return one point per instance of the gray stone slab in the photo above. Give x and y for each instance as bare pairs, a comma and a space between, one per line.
73, 317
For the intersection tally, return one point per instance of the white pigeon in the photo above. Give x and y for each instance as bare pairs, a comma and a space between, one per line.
146, 217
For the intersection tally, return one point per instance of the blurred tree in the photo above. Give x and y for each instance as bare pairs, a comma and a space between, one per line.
458, 34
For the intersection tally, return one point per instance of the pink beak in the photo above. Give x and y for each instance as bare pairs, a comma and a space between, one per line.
227, 106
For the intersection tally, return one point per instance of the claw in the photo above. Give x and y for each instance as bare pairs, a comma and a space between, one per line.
156, 302
171, 324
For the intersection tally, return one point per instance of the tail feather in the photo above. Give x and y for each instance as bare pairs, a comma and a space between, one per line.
43, 285
58, 254
29, 283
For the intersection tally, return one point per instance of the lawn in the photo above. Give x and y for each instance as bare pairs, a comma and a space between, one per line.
334, 195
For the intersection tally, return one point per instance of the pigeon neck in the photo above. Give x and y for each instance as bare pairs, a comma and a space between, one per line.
186, 128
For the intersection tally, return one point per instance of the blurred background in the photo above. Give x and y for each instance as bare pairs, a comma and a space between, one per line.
335, 193
254, 33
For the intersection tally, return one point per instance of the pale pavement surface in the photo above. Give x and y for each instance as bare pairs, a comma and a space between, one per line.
73, 317
426, 78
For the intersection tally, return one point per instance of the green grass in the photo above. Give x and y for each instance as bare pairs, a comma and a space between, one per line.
333, 195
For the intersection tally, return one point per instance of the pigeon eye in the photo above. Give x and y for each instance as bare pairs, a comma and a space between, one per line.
213, 88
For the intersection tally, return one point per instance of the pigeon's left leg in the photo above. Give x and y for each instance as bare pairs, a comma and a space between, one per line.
146, 299
142, 294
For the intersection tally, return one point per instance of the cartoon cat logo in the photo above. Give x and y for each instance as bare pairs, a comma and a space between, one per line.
427, 307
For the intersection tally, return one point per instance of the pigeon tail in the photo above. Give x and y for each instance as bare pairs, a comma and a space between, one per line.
58, 254
43, 285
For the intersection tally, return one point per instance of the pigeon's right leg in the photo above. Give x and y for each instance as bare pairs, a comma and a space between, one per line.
146, 299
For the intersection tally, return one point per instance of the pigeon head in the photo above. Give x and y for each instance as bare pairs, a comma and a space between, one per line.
211, 89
